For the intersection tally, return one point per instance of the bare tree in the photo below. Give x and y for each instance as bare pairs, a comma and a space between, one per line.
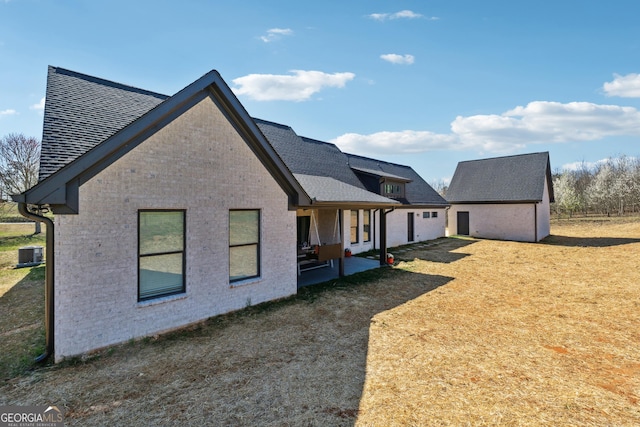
441, 186
19, 161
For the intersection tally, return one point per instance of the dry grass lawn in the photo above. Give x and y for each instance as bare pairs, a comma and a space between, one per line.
462, 332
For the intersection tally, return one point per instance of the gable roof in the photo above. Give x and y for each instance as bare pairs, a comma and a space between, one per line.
509, 179
417, 191
81, 111
64, 173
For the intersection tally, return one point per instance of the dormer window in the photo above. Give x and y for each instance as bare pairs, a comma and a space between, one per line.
392, 189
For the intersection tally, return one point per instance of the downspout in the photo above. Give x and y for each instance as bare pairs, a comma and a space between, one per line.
49, 281
374, 227
383, 235
447, 233
535, 222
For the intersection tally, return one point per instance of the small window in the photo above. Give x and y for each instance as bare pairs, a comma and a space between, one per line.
392, 190
366, 225
434, 214
161, 253
426, 214
244, 244
355, 237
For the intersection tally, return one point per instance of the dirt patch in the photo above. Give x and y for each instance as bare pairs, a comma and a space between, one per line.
463, 332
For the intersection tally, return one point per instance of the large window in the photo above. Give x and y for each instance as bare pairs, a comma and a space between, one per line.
366, 225
244, 244
161, 253
355, 237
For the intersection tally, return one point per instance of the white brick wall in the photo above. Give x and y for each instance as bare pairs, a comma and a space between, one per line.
198, 163
397, 227
505, 221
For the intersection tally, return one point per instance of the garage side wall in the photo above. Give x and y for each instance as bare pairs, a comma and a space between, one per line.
496, 221
198, 163
544, 214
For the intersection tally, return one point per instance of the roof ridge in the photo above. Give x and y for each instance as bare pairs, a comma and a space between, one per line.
318, 141
106, 82
504, 157
378, 160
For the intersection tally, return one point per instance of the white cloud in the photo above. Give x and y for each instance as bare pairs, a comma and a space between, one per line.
546, 122
576, 166
297, 87
275, 34
9, 112
403, 14
624, 86
538, 122
39, 106
394, 58
407, 141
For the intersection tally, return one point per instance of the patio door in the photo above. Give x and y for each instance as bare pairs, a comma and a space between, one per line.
410, 227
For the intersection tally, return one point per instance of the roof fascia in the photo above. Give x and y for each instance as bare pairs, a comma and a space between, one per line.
381, 176
549, 177
354, 205
493, 202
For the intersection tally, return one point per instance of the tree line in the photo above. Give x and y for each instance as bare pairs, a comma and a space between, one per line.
610, 187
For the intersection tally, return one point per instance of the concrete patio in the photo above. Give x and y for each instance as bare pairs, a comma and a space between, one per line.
352, 265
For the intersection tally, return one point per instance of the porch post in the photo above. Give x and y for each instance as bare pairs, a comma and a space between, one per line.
383, 237
341, 259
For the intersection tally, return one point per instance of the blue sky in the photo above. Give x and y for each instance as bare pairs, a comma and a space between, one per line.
423, 83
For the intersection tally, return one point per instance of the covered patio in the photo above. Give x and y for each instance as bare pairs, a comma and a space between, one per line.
352, 265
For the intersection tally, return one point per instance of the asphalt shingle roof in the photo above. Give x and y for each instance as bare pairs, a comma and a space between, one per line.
507, 179
327, 189
308, 156
81, 111
417, 191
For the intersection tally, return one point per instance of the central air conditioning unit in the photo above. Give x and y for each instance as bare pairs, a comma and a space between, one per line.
30, 255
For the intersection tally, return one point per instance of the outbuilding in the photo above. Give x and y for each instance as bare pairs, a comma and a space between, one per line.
504, 198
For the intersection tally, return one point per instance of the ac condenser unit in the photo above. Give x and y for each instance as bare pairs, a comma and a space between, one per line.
30, 255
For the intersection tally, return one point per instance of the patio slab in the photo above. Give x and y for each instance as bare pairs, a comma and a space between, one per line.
352, 265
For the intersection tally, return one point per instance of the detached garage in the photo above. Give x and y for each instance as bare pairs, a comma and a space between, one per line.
505, 198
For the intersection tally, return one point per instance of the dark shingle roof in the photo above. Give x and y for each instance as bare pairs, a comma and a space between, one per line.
329, 190
82, 111
308, 156
507, 179
417, 191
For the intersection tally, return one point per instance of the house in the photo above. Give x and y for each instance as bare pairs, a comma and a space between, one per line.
421, 215
505, 198
362, 185
173, 209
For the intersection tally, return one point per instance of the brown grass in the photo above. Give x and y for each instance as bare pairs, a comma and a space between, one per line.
463, 332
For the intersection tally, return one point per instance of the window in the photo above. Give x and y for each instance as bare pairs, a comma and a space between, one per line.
426, 214
244, 244
434, 214
390, 189
161, 253
366, 225
355, 238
